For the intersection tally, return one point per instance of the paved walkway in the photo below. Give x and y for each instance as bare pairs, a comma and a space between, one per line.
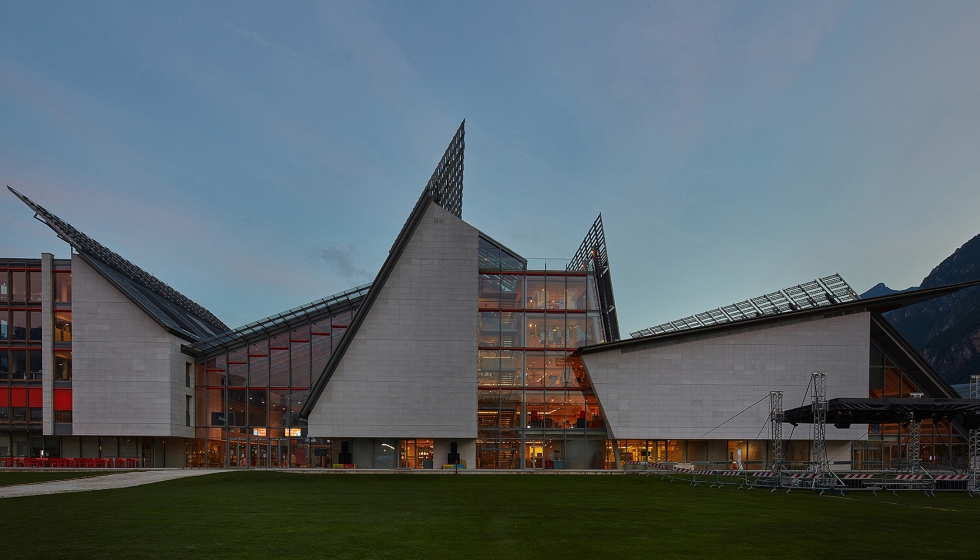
101, 482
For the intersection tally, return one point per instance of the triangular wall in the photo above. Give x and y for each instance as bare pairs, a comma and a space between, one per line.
410, 370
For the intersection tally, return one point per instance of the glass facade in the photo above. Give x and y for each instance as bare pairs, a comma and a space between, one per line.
941, 443
248, 398
21, 358
536, 406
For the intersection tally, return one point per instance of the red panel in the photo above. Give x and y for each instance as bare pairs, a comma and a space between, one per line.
34, 397
62, 399
18, 397
4, 397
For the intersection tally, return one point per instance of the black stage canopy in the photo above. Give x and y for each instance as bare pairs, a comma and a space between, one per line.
844, 412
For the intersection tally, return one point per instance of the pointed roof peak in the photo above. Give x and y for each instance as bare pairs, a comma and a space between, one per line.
123, 273
446, 184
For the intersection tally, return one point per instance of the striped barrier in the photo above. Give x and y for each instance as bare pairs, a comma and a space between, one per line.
952, 477
856, 476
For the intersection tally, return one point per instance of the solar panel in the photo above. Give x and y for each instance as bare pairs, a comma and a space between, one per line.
821, 292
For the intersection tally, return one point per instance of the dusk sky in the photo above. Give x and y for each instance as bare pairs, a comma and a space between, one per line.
260, 156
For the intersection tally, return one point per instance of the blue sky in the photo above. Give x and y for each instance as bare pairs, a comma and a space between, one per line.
259, 156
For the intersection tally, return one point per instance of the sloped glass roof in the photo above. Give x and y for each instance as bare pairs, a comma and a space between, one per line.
821, 292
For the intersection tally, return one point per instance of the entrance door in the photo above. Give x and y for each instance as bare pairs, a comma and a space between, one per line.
236, 453
258, 454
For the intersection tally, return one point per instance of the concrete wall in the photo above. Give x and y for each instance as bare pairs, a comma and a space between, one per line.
410, 371
683, 390
47, 342
127, 370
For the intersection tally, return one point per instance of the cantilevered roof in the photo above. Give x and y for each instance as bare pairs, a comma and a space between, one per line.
171, 309
881, 304
592, 256
280, 322
444, 188
815, 293
844, 412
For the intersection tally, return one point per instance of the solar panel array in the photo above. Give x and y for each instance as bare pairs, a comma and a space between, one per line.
815, 293
85, 244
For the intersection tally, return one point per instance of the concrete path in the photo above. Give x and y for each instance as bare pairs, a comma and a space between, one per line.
102, 482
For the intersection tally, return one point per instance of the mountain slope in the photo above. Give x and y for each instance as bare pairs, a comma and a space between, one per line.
947, 330
880, 289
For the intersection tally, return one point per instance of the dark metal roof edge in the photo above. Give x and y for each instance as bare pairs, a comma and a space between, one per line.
414, 219
880, 304
178, 333
914, 355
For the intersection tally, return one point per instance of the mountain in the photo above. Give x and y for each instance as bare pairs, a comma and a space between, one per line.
945, 330
880, 289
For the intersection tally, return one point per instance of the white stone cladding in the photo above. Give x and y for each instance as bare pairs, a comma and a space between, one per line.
685, 389
47, 343
127, 370
410, 371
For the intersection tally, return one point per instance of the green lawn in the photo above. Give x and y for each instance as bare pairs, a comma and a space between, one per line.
284, 515
10, 478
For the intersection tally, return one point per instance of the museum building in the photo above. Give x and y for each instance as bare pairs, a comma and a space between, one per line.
460, 350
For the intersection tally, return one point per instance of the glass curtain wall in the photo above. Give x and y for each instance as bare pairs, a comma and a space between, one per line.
536, 407
21, 409
249, 398
941, 443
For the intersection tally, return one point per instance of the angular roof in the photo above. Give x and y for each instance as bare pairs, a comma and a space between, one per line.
592, 256
280, 322
171, 309
881, 304
815, 293
444, 188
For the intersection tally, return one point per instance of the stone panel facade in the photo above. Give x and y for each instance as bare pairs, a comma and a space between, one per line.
410, 371
682, 390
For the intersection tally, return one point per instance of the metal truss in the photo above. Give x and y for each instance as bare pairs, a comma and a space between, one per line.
821, 292
85, 244
974, 453
592, 257
446, 184
819, 406
776, 429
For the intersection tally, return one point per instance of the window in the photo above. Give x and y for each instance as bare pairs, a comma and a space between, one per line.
34, 292
19, 365
62, 326
62, 416
4, 366
35, 363
37, 414
35, 318
187, 404
18, 285
4, 325
62, 287
187, 376
62, 365
4, 287
19, 320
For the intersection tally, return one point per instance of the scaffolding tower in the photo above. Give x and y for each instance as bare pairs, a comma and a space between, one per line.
913, 452
973, 456
819, 404
776, 429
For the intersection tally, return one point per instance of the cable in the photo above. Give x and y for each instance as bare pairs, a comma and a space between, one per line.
733, 417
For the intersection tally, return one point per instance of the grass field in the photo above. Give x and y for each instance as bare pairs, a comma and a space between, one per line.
285, 515
11, 478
